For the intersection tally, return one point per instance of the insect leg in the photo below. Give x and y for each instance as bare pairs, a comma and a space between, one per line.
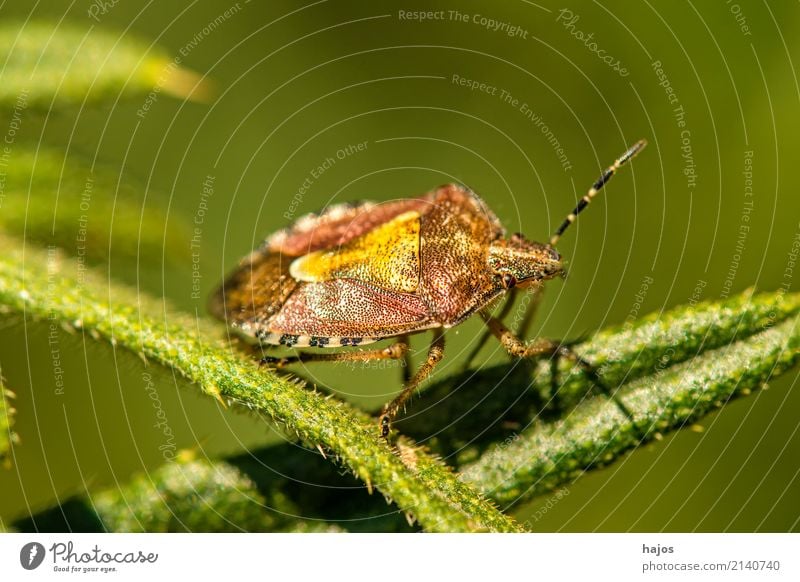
548, 348
515, 346
435, 353
535, 294
393, 352
486, 334
406, 373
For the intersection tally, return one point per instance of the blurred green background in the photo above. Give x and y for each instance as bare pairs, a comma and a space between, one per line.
713, 87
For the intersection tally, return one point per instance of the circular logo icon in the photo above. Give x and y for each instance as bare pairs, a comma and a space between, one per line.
31, 555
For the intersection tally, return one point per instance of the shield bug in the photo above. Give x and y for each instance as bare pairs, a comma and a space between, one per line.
362, 272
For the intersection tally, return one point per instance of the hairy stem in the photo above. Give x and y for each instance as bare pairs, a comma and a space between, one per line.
37, 284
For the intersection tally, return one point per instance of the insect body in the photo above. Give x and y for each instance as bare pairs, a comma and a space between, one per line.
358, 273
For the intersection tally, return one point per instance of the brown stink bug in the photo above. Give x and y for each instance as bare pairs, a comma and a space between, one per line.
358, 273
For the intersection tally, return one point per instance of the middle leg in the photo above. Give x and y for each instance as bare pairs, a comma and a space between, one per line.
435, 353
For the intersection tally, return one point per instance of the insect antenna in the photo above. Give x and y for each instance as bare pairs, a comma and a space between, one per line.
601, 181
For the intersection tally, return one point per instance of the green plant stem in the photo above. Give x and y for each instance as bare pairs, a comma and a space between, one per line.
87, 211
7, 435
37, 284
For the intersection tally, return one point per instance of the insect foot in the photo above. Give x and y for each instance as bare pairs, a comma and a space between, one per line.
272, 362
385, 425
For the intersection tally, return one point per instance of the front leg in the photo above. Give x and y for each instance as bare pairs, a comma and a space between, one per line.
531, 296
514, 345
542, 347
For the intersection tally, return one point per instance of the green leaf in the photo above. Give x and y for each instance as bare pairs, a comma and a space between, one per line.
596, 432
87, 211
64, 64
40, 285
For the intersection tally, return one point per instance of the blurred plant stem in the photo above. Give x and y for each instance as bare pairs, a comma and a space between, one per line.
87, 210
7, 435
55, 64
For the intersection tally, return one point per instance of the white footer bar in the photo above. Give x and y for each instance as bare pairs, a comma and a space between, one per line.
388, 558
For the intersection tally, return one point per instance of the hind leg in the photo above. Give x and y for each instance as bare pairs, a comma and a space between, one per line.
396, 351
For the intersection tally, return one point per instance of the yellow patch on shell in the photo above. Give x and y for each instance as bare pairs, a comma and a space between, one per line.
386, 256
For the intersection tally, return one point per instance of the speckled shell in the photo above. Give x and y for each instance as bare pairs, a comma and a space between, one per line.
263, 301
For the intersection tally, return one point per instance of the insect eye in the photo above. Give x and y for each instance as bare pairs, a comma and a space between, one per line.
509, 280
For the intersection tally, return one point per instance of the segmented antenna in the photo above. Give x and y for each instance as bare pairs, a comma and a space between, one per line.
601, 181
